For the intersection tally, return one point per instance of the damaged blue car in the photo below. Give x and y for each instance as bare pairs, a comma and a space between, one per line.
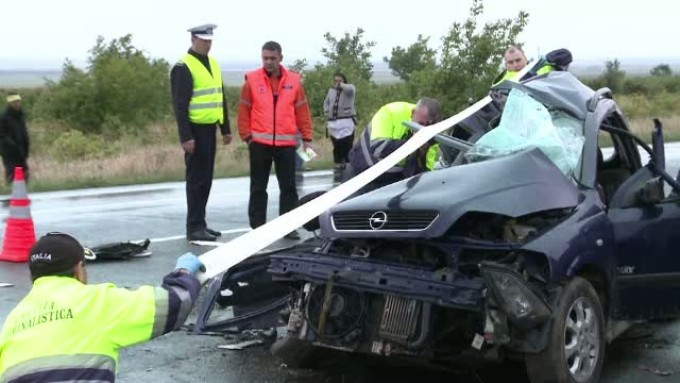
541, 237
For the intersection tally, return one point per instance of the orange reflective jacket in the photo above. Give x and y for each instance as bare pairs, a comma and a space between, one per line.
272, 116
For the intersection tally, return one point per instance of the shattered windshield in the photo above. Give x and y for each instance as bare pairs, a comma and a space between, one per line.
526, 123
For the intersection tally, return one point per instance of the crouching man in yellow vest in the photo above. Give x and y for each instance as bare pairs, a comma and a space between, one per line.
387, 132
67, 331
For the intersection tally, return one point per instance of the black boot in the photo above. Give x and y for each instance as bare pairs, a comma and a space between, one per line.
338, 171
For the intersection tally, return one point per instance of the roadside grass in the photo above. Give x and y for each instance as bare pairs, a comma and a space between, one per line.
642, 127
152, 157
155, 156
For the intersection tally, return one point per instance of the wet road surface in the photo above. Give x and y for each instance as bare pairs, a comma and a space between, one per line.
648, 352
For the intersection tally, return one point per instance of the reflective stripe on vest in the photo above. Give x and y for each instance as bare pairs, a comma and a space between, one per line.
273, 123
63, 368
206, 105
366, 152
70, 320
270, 137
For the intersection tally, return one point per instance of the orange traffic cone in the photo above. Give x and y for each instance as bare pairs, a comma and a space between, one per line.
19, 232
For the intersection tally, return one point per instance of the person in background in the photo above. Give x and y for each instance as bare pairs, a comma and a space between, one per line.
65, 330
200, 109
273, 109
340, 111
14, 139
515, 61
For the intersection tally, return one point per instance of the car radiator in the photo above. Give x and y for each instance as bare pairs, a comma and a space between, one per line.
400, 319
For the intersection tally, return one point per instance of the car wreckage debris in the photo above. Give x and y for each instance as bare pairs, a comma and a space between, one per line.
241, 345
249, 338
656, 371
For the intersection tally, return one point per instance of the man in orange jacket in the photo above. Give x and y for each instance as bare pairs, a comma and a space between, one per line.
272, 110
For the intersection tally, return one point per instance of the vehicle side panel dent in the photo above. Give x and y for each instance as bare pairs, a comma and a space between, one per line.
585, 238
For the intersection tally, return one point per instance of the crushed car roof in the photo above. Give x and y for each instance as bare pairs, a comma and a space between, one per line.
560, 90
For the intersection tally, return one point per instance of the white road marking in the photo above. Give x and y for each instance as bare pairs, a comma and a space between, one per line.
176, 237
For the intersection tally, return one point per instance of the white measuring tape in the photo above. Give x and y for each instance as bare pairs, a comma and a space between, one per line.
235, 251
238, 249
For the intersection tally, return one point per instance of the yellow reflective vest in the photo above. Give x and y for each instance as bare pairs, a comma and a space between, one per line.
65, 327
206, 105
543, 68
388, 125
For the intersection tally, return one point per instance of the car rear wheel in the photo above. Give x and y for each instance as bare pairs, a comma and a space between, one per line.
575, 350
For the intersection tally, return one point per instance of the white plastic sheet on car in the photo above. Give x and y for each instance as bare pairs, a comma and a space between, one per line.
526, 123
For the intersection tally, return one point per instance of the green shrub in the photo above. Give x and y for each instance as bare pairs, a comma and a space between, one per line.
74, 145
655, 105
122, 90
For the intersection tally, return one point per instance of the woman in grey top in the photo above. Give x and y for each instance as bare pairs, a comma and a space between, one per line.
340, 111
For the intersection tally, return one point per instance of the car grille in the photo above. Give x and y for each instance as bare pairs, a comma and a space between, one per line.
413, 220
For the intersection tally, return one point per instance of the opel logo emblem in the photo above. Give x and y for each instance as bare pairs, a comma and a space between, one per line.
378, 220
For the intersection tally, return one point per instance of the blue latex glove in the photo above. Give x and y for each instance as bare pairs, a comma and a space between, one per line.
190, 262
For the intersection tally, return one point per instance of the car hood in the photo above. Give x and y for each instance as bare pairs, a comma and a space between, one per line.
514, 185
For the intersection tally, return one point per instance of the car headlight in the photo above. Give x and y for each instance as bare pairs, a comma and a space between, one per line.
523, 307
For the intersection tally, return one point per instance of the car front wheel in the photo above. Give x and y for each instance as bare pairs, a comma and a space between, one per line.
575, 350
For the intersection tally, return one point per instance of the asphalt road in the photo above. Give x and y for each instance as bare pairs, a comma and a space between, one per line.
647, 352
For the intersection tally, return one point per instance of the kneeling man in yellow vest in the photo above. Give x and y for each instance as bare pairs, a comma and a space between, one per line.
66, 331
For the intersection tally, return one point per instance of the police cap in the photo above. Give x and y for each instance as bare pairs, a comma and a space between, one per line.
204, 32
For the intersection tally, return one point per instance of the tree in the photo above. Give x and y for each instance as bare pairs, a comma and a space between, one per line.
661, 70
349, 55
416, 57
613, 76
469, 59
350, 51
122, 89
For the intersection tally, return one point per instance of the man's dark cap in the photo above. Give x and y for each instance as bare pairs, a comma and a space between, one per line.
55, 253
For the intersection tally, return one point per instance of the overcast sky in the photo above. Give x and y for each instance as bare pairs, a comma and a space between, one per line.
42, 33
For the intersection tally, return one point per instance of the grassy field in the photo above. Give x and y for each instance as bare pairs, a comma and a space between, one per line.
159, 158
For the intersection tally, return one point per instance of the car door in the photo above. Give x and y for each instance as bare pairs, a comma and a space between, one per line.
647, 274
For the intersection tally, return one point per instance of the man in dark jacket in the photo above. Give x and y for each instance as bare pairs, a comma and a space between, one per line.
14, 141
200, 109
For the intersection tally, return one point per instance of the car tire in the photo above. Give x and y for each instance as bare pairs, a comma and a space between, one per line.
576, 343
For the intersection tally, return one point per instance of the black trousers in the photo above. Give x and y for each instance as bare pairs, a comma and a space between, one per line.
199, 174
261, 158
12, 161
341, 148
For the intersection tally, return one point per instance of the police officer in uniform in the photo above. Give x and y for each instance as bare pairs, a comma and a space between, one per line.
65, 330
200, 109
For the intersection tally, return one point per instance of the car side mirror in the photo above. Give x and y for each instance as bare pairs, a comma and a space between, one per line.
652, 193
